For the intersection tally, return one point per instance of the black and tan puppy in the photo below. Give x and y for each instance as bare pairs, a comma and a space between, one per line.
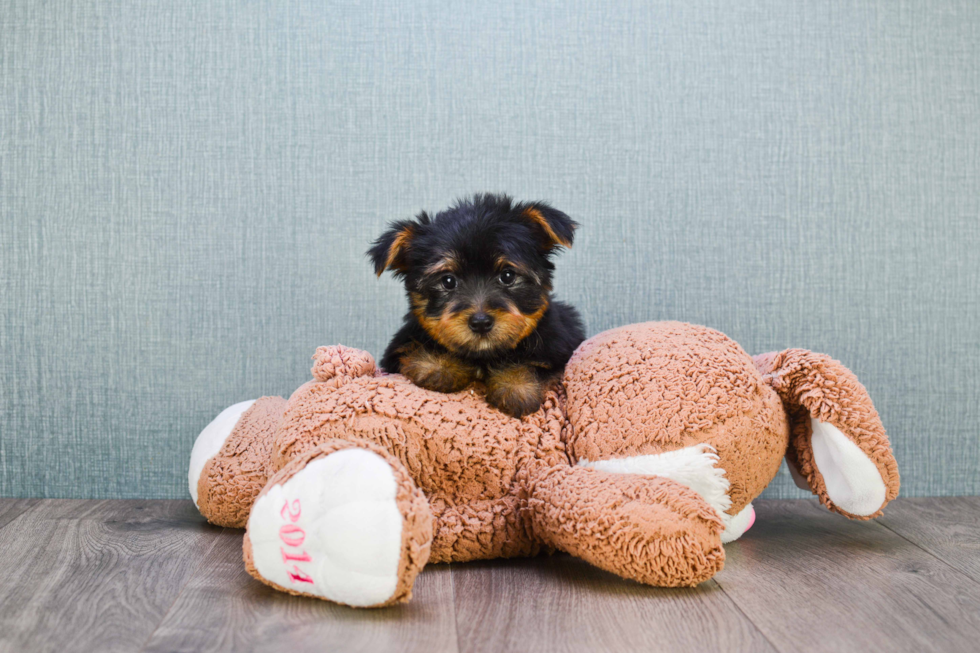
478, 277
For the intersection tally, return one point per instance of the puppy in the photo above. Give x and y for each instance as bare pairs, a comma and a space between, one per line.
478, 278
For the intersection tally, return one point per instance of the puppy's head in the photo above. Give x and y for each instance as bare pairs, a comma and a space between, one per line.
478, 275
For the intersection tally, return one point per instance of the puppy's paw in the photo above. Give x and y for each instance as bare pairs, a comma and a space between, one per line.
435, 371
515, 390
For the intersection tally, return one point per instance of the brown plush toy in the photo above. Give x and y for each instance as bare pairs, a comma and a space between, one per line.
644, 463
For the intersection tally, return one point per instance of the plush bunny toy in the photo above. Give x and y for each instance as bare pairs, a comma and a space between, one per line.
643, 463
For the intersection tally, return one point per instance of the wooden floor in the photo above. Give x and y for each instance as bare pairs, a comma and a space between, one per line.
153, 576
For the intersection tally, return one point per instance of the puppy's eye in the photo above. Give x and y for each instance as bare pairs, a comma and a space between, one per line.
507, 277
448, 282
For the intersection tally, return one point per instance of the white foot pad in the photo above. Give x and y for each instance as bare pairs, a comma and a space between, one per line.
210, 441
333, 529
735, 526
852, 479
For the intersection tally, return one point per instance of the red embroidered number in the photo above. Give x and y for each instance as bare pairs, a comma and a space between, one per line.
293, 536
293, 514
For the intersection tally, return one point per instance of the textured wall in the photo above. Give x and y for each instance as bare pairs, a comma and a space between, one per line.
187, 189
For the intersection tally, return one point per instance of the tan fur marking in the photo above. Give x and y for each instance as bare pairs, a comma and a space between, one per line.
400, 243
535, 216
449, 330
435, 327
436, 371
531, 321
514, 326
447, 264
419, 304
452, 331
515, 390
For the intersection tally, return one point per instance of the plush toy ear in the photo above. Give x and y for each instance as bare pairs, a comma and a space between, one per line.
389, 251
556, 228
838, 447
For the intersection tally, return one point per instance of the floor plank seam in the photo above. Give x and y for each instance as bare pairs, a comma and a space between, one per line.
746, 616
923, 548
190, 577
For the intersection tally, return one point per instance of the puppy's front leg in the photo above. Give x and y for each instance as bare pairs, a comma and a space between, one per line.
436, 370
517, 390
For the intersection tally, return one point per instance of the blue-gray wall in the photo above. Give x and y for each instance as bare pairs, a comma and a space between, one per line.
187, 189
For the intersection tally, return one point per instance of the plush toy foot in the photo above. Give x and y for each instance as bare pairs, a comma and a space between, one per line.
210, 441
648, 528
344, 522
232, 460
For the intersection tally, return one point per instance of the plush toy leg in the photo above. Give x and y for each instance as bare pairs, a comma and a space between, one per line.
342, 522
232, 460
838, 447
695, 467
651, 529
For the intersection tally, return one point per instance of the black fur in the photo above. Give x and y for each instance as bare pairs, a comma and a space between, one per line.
476, 235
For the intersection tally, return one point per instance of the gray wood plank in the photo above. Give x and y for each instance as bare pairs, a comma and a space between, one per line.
947, 527
95, 576
225, 609
11, 509
560, 603
111, 510
115, 575
815, 581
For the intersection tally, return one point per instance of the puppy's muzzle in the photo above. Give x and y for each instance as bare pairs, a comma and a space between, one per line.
480, 323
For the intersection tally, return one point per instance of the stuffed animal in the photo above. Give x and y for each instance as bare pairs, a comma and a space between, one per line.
643, 462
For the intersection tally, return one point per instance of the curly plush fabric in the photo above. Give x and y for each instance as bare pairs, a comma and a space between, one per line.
815, 386
334, 366
641, 462
233, 478
463, 455
650, 529
658, 387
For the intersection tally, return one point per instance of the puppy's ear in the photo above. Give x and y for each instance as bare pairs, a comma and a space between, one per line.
390, 249
556, 228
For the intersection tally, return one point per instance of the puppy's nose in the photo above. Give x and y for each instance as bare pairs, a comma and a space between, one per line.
481, 323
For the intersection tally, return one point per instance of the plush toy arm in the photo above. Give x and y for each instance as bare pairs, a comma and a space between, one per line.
838, 445
650, 529
337, 364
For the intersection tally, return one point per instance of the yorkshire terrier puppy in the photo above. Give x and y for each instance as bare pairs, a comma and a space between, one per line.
478, 278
